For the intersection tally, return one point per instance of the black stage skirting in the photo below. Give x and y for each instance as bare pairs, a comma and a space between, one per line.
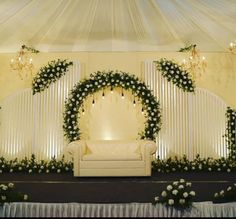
64, 187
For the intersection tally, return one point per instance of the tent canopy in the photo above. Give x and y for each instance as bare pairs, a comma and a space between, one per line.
117, 25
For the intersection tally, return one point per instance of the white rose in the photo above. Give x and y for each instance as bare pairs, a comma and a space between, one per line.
188, 184
171, 201
182, 201
175, 183
164, 194
3, 197
182, 180
181, 187
216, 195
169, 187
156, 198
192, 193
175, 192
229, 188
10, 185
25, 197
185, 194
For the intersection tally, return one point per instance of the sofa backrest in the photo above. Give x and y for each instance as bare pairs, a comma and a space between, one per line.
113, 147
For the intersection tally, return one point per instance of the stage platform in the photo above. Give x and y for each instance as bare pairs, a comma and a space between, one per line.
65, 188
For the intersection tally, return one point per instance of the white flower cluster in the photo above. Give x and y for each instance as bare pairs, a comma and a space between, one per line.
227, 195
230, 132
178, 194
173, 72
48, 74
6, 194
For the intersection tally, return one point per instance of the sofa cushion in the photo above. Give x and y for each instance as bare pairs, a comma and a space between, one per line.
109, 148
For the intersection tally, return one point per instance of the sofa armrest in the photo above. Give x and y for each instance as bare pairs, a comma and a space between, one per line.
148, 148
76, 150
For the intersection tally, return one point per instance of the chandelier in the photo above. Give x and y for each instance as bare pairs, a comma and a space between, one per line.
194, 64
23, 62
232, 47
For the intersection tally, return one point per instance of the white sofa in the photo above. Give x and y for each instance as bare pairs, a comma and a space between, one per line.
112, 157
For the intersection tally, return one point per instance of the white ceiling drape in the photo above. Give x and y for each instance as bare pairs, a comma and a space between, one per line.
117, 25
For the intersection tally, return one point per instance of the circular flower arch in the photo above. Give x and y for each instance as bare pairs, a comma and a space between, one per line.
100, 80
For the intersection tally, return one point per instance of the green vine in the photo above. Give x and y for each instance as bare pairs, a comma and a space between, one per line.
230, 135
100, 80
174, 72
49, 74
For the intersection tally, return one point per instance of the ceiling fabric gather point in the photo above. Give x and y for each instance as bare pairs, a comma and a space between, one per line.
117, 25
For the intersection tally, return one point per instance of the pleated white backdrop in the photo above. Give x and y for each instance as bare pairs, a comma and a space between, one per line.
191, 123
33, 124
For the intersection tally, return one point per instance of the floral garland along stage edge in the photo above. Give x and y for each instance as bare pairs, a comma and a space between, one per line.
100, 80
174, 72
230, 135
49, 74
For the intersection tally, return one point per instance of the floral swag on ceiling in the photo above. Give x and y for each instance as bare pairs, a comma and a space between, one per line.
100, 80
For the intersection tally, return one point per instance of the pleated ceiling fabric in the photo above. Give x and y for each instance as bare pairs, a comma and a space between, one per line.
117, 25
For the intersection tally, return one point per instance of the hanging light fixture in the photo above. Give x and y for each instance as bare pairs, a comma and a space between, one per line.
195, 64
232, 47
23, 62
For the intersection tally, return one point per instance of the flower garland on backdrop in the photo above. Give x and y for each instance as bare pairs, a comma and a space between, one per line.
101, 80
175, 73
178, 195
230, 135
49, 74
8, 194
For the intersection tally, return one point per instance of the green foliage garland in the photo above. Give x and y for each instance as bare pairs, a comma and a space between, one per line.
230, 132
100, 80
174, 72
49, 74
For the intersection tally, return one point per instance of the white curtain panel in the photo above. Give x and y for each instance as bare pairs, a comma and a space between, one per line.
199, 209
33, 123
191, 123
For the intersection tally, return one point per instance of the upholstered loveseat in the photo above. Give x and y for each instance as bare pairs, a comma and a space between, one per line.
112, 157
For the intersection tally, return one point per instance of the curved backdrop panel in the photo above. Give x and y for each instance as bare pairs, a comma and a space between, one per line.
192, 123
33, 123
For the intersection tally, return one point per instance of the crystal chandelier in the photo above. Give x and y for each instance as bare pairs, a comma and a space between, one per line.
232, 47
23, 62
195, 64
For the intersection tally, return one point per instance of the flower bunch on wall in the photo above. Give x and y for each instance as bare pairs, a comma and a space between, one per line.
8, 193
176, 74
230, 135
101, 80
49, 74
178, 194
31, 165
